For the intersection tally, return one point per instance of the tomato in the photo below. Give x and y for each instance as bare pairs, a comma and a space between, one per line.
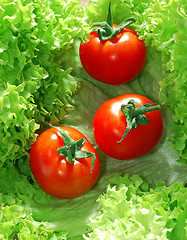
54, 173
112, 132
113, 61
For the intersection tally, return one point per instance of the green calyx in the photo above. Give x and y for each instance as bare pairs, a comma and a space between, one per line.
106, 30
72, 149
135, 115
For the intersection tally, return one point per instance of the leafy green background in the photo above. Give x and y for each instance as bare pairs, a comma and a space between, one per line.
42, 81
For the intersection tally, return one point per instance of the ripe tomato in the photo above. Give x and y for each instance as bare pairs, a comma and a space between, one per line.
113, 61
54, 174
110, 124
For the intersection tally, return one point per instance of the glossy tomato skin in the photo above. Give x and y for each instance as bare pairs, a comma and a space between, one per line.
114, 61
54, 174
109, 125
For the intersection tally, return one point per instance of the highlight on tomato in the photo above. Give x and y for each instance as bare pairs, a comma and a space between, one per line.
128, 126
114, 53
64, 163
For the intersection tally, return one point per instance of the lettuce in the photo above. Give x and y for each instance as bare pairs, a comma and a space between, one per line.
42, 81
34, 88
130, 209
170, 40
16, 219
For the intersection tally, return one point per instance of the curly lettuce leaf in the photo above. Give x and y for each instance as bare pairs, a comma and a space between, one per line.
34, 87
17, 221
130, 209
167, 33
16, 122
40, 69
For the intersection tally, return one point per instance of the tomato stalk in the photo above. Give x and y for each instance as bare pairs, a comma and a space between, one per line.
105, 30
72, 149
135, 115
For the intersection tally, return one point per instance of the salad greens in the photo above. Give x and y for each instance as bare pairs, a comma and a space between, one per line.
34, 88
130, 209
42, 81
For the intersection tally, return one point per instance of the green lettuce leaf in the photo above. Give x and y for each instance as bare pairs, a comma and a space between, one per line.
130, 209
17, 222
42, 80
16, 122
34, 87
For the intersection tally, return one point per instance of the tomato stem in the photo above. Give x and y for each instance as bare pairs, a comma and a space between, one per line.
135, 115
105, 30
72, 149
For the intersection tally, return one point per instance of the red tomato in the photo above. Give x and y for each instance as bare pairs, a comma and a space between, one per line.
109, 126
113, 61
54, 174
